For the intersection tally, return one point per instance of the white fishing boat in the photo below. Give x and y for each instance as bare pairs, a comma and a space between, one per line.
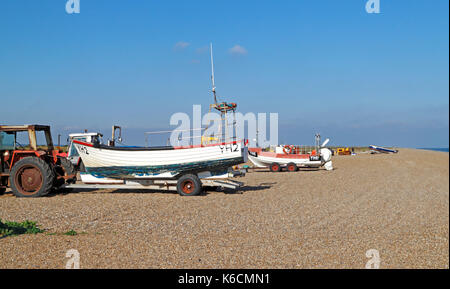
160, 162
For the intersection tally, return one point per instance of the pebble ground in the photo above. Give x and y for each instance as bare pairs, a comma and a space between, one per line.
396, 204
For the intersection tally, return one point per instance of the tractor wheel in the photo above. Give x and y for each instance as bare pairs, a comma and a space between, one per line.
64, 169
31, 177
189, 185
292, 167
69, 169
274, 167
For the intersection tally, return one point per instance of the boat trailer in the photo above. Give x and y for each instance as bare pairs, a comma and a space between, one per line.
154, 184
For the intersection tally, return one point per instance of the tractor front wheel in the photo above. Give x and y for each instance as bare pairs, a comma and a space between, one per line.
31, 177
69, 170
64, 173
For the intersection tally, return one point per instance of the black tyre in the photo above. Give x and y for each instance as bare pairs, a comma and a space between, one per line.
64, 169
4, 184
31, 177
69, 170
274, 167
189, 185
291, 167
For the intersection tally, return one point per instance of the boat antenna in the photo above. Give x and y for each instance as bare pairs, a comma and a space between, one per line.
212, 75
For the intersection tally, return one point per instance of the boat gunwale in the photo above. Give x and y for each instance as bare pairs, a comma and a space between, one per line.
102, 146
260, 152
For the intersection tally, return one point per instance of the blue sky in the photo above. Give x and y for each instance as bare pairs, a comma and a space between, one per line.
324, 66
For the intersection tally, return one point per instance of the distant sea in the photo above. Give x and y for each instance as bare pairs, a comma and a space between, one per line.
436, 149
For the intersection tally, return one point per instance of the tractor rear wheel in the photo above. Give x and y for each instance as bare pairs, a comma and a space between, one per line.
31, 177
189, 185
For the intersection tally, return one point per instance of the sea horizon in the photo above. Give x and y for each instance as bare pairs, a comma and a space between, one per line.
435, 149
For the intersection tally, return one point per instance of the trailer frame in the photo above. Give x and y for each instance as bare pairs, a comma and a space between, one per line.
156, 184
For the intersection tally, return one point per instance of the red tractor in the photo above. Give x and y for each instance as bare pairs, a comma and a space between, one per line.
29, 170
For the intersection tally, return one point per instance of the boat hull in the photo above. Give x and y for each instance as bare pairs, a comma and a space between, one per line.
382, 149
167, 162
264, 159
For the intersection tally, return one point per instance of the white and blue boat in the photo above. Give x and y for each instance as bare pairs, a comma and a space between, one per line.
208, 160
380, 149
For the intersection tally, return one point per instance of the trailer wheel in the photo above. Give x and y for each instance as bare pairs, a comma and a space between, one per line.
31, 177
292, 167
189, 185
274, 167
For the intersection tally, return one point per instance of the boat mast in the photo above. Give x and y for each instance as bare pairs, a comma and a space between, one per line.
212, 75
223, 107
223, 117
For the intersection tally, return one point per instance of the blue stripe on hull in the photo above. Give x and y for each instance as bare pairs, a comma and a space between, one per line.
216, 166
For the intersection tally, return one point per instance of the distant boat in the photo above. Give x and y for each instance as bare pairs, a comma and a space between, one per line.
291, 158
104, 161
380, 149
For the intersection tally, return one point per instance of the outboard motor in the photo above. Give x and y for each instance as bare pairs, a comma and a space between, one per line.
326, 153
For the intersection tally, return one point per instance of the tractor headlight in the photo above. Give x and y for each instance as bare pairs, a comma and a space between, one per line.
6, 156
